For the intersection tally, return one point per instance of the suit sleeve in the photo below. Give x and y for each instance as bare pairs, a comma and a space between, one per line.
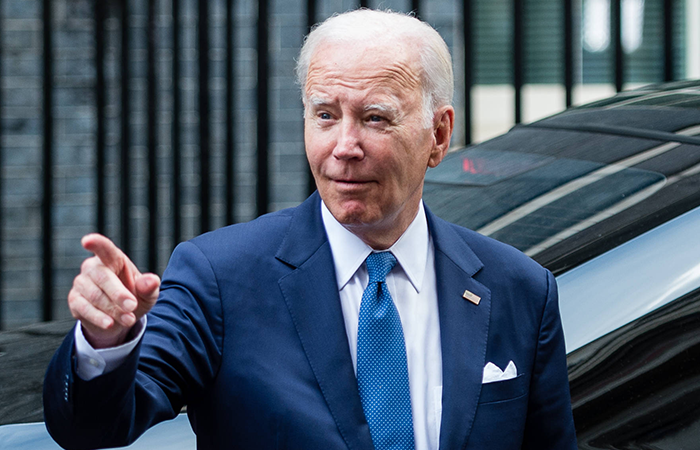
178, 356
549, 422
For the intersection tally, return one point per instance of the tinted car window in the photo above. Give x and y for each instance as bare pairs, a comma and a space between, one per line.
531, 201
631, 280
638, 387
631, 318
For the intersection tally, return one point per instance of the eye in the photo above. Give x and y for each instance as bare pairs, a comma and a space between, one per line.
324, 116
376, 118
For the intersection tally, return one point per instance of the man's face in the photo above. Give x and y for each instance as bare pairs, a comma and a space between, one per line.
365, 138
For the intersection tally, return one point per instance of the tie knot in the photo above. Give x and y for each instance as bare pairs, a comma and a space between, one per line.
379, 265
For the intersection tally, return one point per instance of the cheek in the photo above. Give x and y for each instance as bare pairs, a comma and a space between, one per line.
419, 148
412, 154
317, 147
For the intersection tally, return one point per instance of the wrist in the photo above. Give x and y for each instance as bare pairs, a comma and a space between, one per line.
102, 340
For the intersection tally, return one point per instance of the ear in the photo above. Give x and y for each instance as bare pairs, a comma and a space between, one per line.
443, 125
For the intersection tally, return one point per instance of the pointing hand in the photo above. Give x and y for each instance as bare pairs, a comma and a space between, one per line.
110, 294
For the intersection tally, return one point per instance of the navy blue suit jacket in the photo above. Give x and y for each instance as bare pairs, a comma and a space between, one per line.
249, 334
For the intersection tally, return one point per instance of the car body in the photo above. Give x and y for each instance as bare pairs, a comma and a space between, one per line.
24, 355
607, 196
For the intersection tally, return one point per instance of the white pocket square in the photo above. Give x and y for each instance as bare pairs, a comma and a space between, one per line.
493, 373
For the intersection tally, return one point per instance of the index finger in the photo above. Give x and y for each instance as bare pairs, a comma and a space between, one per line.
110, 255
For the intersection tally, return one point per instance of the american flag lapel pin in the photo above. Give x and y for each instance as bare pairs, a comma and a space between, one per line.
472, 297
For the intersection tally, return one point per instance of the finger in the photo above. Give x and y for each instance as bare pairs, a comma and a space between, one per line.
86, 289
91, 317
110, 255
112, 287
99, 329
147, 289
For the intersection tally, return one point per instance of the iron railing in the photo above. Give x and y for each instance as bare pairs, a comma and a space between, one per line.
123, 212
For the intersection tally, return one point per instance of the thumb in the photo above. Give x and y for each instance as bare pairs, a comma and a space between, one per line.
147, 289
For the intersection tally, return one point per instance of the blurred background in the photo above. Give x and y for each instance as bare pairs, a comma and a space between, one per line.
152, 121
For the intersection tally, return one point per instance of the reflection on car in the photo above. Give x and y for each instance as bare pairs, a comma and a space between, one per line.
606, 196
175, 434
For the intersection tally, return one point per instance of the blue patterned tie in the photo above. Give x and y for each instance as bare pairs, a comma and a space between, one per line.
382, 371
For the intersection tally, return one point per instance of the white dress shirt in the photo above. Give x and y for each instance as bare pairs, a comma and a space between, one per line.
413, 288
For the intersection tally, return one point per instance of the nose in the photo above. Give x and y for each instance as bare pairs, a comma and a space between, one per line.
348, 144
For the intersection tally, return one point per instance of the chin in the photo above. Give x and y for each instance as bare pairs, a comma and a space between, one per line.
353, 216
350, 219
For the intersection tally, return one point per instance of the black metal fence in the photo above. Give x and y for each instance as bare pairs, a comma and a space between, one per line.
168, 109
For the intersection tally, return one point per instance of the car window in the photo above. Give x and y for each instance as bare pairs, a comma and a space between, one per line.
631, 280
531, 201
637, 387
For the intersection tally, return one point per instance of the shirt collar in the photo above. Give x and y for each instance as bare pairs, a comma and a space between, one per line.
349, 251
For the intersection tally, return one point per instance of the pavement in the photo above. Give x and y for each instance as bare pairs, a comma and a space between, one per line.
24, 355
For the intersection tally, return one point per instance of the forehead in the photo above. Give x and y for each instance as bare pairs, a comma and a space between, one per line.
391, 68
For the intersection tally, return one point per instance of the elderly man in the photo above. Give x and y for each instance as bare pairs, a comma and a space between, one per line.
356, 320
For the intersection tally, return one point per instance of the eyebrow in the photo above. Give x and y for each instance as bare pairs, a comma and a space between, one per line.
315, 100
383, 107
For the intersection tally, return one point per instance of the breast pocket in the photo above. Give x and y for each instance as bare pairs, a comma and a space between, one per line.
501, 391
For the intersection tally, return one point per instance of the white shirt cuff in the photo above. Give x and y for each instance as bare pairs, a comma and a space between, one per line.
92, 363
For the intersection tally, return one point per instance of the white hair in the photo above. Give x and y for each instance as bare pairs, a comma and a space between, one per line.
437, 79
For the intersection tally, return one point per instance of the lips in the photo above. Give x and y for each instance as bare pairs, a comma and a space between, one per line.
351, 181
350, 184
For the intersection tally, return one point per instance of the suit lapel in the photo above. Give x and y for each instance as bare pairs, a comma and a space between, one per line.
311, 294
464, 330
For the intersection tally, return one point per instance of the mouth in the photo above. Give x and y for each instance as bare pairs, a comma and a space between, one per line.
350, 184
350, 181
